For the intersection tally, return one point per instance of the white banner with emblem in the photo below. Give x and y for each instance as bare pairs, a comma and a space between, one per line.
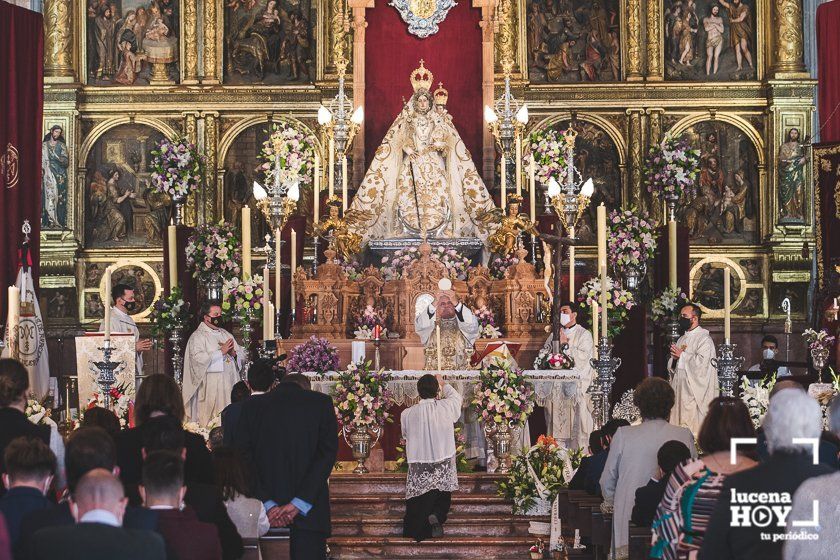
32, 341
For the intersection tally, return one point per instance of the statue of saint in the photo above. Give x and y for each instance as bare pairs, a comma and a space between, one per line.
423, 177
791, 177
334, 229
503, 242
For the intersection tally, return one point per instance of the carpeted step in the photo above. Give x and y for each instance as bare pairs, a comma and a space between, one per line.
391, 504
394, 483
458, 525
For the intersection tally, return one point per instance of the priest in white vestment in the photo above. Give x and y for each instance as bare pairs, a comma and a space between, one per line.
211, 367
694, 378
121, 322
572, 425
428, 428
459, 330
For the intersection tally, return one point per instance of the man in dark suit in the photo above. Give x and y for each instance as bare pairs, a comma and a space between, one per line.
30, 467
578, 481
671, 454
290, 436
163, 491
98, 507
261, 378
595, 467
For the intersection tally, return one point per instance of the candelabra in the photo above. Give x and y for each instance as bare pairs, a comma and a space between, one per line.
340, 121
605, 365
107, 373
728, 365
247, 327
571, 199
507, 120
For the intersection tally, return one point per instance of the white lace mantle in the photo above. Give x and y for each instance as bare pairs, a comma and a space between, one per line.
423, 477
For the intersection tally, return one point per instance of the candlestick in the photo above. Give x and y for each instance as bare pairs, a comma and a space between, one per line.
572, 266
504, 183
437, 342
532, 187
518, 165
107, 302
278, 268
726, 303
344, 184
604, 305
13, 321
266, 303
246, 242
602, 236
292, 301
595, 321
331, 170
171, 236
672, 254
316, 190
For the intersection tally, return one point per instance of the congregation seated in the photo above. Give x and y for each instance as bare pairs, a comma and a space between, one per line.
98, 508
261, 379
578, 481
102, 418
631, 461
695, 486
14, 389
671, 454
30, 468
163, 490
246, 512
157, 396
595, 467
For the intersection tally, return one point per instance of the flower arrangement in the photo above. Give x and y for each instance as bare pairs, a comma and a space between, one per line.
499, 265
361, 396
487, 323
757, 398
546, 461
549, 360
666, 304
35, 411
619, 302
461, 463
457, 265
177, 168
671, 168
316, 354
630, 241
503, 394
547, 149
213, 250
352, 269
243, 299
366, 321
204, 431
121, 404
288, 155
818, 340
170, 312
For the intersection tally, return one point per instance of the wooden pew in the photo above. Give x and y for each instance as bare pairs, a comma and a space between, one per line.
275, 544
639, 542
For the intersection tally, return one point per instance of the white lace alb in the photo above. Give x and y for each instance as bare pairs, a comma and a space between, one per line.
423, 477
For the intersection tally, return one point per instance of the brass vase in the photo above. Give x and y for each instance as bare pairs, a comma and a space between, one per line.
361, 440
501, 436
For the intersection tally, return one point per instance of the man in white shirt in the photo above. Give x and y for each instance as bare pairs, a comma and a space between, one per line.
429, 433
565, 423
769, 348
694, 378
121, 322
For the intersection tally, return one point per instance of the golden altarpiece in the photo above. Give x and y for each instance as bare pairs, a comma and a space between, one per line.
120, 77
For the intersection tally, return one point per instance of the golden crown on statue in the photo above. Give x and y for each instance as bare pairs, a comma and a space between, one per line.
421, 77
441, 95
334, 201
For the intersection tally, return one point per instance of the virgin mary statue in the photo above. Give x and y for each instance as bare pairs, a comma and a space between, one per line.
422, 177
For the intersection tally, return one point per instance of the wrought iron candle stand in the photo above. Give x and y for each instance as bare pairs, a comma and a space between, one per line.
728, 365
176, 338
376, 344
605, 365
247, 327
107, 373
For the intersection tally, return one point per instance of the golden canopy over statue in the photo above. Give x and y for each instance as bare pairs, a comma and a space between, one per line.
334, 229
422, 176
503, 241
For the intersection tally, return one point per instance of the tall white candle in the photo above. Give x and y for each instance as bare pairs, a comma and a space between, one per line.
107, 303
602, 236
278, 269
726, 304
316, 190
532, 188
672, 254
266, 304
246, 242
331, 170
604, 306
13, 322
595, 320
292, 300
518, 165
171, 237
344, 183
437, 342
572, 267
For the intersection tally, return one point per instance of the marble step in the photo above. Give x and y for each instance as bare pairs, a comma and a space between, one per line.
394, 505
458, 525
394, 483
394, 548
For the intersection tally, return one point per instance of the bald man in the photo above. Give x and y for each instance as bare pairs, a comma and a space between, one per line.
458, 332
98, 505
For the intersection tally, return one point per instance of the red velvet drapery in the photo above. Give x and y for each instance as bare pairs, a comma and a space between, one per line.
21, 114
828, 70
453, 55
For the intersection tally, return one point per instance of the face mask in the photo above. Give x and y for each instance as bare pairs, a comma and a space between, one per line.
685, 323
769, 353
130, 305
565, 318
215, 321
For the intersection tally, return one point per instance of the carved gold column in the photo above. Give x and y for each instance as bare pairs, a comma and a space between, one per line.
654, 137
359, 27
789, 61
506, 37
211, 43
635, 150
634, 40
339, 26
191, 134
488, 74
190, 27
654, 45
211, 142
58, 41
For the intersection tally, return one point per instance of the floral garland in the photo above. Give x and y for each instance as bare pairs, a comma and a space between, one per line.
366, 321
666, 304
630, 241
546, 148
551, 463
289, 153
757, 398
316, 355
362, 397
671, 168
243, 299
177, 168
394, 265
549, 360
461, 463
121, 404
487, 323
170, 312
36, 412
619, 303
213, 251
503, 394
499, 266
818, 340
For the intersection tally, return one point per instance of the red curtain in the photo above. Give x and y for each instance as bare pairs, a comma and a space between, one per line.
453, 55
21, 113
828, 70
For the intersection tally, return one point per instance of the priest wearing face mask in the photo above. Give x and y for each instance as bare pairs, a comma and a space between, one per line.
769, 352
694, 378
121, 322
211, 366
560, 423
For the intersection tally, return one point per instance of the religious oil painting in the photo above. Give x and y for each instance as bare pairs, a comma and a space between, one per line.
573, 41
59, 303
241, 170
142, 281
120, 208
55, 160
724, 208
709, 40
132, 42
707, 286
269, 42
